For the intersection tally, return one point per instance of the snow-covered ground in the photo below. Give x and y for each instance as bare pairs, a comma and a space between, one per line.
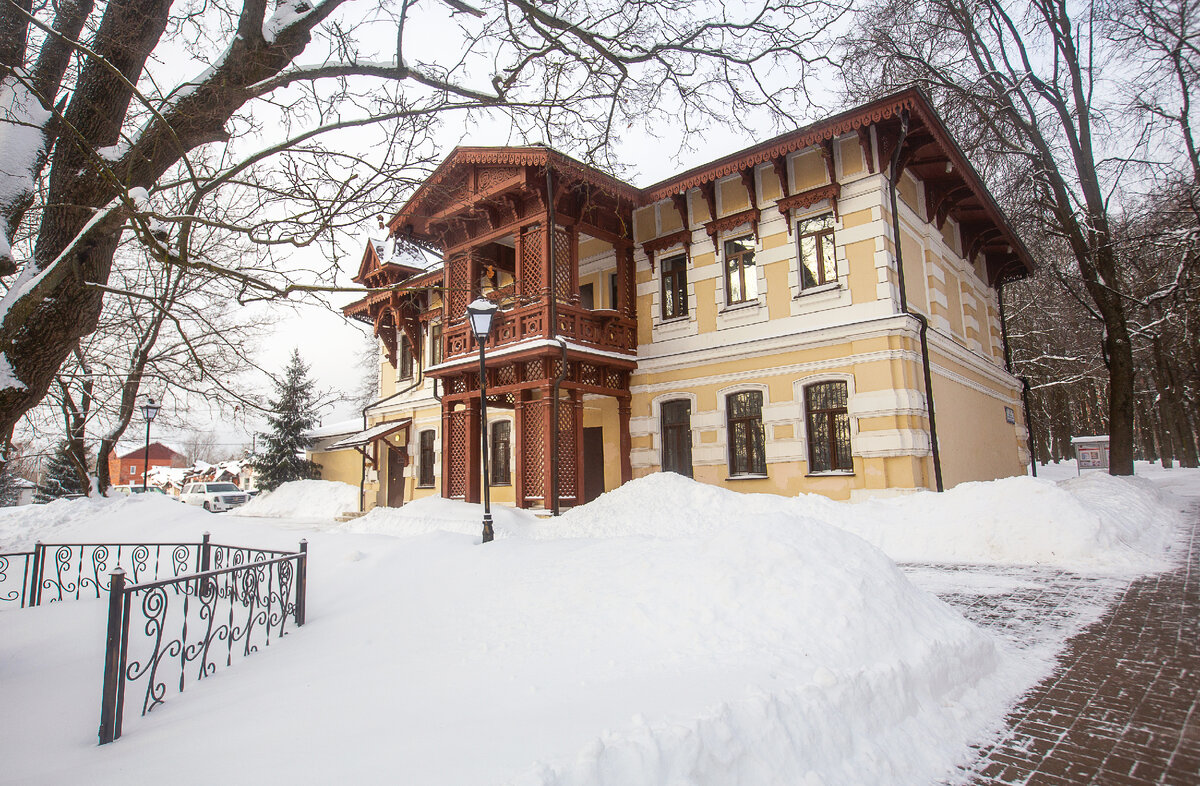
667, 633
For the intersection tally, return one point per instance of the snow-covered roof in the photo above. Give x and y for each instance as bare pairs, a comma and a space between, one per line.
334, 429
371, 434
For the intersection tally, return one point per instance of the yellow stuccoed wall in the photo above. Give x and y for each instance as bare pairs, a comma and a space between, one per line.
344, 466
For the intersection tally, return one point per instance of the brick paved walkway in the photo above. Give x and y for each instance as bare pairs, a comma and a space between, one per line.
1121, 708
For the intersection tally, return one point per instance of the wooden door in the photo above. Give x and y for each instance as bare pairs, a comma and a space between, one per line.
397, 459
593, 463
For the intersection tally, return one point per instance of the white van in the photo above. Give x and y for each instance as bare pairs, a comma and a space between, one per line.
214, 497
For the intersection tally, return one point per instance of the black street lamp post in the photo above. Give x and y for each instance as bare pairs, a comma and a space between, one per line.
480, 312
149, 412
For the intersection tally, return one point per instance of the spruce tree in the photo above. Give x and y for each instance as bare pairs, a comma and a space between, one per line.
61, 477
293, 412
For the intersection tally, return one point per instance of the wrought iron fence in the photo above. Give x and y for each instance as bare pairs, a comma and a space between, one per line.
61, 571
186, 626
13, 588
192, 606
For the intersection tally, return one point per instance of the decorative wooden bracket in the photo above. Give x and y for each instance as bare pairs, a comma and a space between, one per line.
780, 165
683, 236
709, 192
806, 199
827, 155
864, 142
732, 221
681, 207
751, 187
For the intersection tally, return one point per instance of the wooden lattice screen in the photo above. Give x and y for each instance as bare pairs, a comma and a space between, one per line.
562, 267
568, 477
531, 282
533, 447
456, 444
458, 280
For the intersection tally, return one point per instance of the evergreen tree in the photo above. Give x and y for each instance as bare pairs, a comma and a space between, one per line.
293, 412
61, 477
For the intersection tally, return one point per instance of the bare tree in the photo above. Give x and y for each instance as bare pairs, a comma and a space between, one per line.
1022, 81
100, 137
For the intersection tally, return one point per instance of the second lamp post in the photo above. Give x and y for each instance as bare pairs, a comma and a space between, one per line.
149, 412
480, 312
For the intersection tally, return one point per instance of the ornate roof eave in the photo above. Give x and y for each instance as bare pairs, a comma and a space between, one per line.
511, 156
857, 119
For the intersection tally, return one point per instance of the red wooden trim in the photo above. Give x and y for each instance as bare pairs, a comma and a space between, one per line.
806, 199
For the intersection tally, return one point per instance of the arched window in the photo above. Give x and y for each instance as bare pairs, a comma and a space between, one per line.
747, 441
828, 427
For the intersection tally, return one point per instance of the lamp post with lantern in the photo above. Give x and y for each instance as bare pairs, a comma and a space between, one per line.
480, 312
149, 412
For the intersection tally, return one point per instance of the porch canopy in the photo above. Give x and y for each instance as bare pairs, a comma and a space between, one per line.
370, 435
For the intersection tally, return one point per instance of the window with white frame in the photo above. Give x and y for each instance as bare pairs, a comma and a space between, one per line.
828, 423
741, 276
814, 237
747, 438
674, 287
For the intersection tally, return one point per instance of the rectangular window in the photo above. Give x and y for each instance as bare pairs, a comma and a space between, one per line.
435, 343
425, 460
587, 296
501, 439
741, 278
828, 427
612, 291
132, 468
817, 264
677, 437
406, 360
747, 441
674, 287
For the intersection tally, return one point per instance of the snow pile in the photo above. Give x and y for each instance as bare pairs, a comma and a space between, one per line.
777, 651
1096, 524
89, 519
435, 514
303, 499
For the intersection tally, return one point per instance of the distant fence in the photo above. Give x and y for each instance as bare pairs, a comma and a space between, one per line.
199, 605
70, 571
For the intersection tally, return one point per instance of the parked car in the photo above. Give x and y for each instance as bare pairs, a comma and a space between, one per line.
128, 490
214, 497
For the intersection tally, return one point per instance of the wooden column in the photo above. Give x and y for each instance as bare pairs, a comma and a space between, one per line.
471, 491
518, 447
624, 409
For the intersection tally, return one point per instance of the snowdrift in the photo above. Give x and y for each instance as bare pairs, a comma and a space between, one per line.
303, 499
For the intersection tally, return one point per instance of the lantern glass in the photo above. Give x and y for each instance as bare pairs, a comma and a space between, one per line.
150, 410
481, 312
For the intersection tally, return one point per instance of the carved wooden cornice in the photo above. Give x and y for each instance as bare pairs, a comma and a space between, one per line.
814, 135
806, 199
651, 247
733, 221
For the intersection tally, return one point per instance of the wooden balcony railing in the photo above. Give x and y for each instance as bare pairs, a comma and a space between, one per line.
602, 329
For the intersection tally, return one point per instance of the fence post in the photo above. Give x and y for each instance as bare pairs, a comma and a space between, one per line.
112, 657
301, 581
205, 554
35, 589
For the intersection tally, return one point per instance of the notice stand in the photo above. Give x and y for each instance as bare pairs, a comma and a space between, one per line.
1090, 453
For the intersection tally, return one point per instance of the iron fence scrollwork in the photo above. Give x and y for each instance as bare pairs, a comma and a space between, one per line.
186, 626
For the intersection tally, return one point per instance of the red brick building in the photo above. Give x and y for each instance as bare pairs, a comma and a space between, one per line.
128, 469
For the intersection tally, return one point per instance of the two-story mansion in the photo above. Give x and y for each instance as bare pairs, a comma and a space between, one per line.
789, 318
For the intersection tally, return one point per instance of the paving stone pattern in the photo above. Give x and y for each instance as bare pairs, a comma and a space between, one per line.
1121, 707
